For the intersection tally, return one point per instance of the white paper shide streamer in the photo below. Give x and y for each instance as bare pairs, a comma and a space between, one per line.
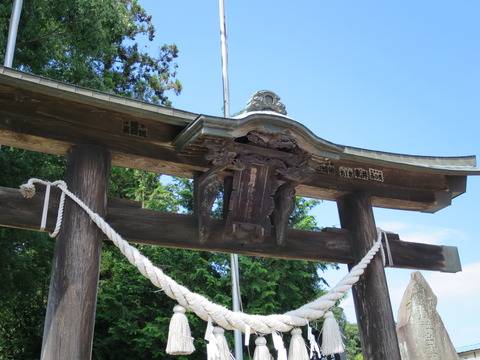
313, 342
279, 346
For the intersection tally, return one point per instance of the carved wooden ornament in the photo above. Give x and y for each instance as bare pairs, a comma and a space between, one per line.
262, 195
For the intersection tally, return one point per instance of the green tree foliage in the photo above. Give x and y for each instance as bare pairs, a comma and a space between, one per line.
132, 315
92, 43
352, 341
136, 320
23, 292
25, 261
301, 217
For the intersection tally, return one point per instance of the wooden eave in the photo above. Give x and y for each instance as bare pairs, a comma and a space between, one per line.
49, 116
320, 149
452, 165
109, 102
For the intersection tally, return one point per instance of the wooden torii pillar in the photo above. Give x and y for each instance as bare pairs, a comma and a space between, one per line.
374, 313
72, 298
263, 157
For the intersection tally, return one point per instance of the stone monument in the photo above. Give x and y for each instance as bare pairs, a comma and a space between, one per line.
421, 333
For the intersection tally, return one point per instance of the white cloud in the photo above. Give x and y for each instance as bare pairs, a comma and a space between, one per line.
469, 330
349, 308
459, 302
433, 235
460, 287
458, 294
433, 238
392, 226
458, 299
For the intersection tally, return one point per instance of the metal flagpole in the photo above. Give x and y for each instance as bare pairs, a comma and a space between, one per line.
12, 32
236, 300
223, 38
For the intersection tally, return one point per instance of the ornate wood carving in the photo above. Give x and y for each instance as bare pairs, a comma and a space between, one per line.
296, 173
206, 186
47, 116
284, 206
273, 140
206, 191
256, 203
266, 100
181, 231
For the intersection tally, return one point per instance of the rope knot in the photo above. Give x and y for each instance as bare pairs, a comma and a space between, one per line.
265, 324
27, 190
328, 315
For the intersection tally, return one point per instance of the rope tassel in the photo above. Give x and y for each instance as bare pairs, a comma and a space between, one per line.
180, 341
197, 303
298, 348
222, 346
332, 342
261, 350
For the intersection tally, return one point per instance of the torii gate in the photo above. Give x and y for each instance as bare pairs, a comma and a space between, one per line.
262, 157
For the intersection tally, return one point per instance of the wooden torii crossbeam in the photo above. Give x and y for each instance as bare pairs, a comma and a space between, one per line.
144, 226
263, 159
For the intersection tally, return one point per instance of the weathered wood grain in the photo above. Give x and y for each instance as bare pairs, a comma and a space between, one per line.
70, 318
370, 293
177, 230
48, 122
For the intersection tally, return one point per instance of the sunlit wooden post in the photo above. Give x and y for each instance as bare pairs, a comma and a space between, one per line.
370, 293
70, 319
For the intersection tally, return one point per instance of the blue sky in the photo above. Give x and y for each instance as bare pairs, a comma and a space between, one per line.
400, 77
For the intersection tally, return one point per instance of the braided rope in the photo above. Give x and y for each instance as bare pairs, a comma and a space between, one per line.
204, 308
28, 191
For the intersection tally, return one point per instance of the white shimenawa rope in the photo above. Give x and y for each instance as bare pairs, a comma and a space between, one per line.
204, 308
28, 190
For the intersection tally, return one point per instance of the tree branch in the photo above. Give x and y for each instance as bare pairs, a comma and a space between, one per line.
55, 33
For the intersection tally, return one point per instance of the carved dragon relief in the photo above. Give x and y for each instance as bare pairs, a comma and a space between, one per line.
275, 140
263, 186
